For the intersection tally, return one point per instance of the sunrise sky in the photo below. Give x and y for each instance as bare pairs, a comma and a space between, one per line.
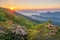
30, 4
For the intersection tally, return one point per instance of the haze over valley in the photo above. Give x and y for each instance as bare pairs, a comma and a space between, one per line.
42, 15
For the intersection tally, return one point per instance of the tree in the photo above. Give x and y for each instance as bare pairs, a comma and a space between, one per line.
49, 21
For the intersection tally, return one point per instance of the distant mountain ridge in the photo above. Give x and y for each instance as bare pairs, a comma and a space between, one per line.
42, 15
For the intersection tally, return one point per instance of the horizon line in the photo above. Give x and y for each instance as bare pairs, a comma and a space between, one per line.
36, 8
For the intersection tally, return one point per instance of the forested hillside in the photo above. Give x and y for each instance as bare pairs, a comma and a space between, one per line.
14, 27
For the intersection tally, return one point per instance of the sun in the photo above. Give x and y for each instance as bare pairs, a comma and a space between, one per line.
12, 8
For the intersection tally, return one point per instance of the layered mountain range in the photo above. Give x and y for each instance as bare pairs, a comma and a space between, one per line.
42, 15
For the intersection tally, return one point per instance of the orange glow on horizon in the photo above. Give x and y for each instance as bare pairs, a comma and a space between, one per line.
12, 8
29, 8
